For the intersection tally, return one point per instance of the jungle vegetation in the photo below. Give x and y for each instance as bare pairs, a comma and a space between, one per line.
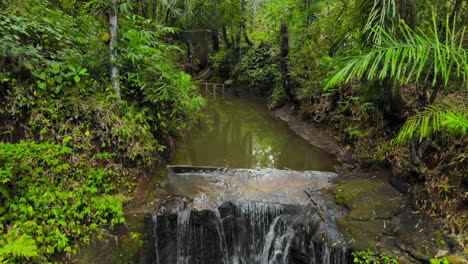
83, 106
388, 77
92, 91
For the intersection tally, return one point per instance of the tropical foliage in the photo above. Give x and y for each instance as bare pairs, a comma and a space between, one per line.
48, 202
64, 175
256, 72
420, 57
441, 117
389, 76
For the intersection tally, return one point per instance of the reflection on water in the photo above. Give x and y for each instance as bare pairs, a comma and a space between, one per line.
240, 133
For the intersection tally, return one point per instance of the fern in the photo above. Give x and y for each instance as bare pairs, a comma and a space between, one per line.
444, 116
17, 247
414, 56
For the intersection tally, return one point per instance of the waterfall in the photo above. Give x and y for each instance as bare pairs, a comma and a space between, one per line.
277, 243
242, 232
183, 236
221, 235
154, 219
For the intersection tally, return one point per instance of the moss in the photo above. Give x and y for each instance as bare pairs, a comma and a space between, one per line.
437, 234
368, 200
378, 205
362, 234
439, 237
456, 260
346, 191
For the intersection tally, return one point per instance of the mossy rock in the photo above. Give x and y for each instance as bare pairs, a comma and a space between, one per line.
457, 260
375, 206
346, 191
367, 199
418, 234
362, 235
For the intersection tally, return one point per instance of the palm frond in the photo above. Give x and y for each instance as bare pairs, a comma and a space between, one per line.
413, 56
379, 13
440, 117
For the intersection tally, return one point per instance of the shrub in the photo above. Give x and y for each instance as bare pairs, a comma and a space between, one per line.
256, 72
51, 197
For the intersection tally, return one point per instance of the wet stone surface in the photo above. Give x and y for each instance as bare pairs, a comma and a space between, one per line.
269, 185
380, 218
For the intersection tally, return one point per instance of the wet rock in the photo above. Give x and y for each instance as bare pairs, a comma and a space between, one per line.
267, 185
368, 200
362, 235
379, 219
457, 260
419, 235
399, 183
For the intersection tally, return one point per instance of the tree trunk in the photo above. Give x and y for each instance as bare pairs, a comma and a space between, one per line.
286, 81
215, 39
226, 38
417, 164
244, 24
156, 11
247, 39
114, 69
188, 45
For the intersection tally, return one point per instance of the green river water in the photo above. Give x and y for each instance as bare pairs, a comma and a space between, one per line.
241, 133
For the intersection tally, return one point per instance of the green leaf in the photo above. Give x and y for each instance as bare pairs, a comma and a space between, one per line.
67, 139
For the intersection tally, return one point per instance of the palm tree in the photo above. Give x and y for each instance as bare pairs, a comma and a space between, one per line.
445, 116
416, 56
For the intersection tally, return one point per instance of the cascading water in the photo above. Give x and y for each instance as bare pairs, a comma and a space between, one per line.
243, 233
249, 223
183, 237
278, 224
277, 243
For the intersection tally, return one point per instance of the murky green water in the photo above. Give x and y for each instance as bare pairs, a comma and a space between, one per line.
241, 133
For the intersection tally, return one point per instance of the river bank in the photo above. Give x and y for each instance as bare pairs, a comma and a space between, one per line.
380, 217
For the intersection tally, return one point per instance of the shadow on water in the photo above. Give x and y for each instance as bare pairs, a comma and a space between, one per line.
241, 133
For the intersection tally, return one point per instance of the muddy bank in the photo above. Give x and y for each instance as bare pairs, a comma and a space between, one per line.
317, 136
378, 216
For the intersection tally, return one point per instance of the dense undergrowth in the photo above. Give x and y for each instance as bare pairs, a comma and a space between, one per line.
53, 197
68, 141
388, 77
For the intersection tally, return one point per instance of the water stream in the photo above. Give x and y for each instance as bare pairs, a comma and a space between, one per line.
236, 195
257, 214
241, 133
